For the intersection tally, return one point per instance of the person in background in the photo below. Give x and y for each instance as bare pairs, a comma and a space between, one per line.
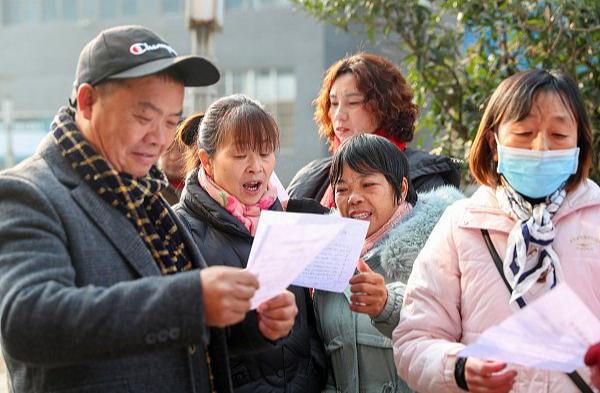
530, 225
102, 287
369, 176
230, 161
366, 93
172, 163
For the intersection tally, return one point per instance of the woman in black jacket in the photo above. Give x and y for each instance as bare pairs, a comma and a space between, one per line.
366, 93
231, 161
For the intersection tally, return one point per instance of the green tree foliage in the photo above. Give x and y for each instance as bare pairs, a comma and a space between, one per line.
457, 52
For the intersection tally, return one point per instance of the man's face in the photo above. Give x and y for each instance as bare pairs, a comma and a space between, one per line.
132, 124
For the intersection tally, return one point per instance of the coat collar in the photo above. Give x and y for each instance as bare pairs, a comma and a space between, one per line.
400, 247
482, 210
202, 206
49, 150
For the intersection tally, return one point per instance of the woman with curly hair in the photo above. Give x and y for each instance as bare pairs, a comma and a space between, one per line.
366, 93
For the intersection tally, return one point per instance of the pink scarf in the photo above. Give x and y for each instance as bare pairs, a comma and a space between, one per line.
398, 215
246, 214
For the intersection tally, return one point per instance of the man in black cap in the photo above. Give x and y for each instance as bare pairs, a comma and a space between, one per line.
100, 287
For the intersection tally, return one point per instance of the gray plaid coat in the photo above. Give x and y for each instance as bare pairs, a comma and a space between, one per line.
83, 306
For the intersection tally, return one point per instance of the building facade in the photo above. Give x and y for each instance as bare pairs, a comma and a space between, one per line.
266, 49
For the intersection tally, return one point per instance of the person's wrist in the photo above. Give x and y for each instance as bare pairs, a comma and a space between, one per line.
459, 373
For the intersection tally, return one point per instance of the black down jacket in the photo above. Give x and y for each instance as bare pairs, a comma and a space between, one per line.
427, 171
293, 364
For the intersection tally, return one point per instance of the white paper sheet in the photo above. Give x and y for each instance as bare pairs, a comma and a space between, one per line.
282, 194
282, 249
551, 333
286, 243
335, 265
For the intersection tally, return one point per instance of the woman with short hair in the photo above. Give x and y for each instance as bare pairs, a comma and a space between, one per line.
537, 209
369, 177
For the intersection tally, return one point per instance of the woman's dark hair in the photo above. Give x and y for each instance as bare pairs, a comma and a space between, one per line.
512, 101
368, 154
387, 95
236, 117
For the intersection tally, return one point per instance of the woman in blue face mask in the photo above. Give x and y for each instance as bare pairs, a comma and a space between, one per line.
533, 223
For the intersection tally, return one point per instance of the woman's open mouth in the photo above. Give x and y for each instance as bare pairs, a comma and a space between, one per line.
252, 186
360, 215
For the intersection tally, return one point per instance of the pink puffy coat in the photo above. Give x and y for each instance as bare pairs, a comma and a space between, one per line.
455, 292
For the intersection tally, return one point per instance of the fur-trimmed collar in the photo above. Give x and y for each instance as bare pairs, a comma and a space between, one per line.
400, 247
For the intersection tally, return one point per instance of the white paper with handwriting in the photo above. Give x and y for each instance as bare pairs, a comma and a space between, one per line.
315, 251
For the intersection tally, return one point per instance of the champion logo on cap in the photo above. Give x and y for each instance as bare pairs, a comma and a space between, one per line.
139, 48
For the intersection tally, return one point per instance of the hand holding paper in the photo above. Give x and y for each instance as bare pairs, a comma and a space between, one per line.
484, 375
369, 293
277, 315
552, 333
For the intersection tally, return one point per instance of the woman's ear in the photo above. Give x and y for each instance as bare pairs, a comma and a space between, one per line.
490, 136
206, 162
404, 190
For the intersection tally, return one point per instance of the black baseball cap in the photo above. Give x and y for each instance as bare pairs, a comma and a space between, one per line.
133, 51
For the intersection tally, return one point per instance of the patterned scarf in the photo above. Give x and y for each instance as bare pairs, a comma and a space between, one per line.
138, 199
530, 261
246, 214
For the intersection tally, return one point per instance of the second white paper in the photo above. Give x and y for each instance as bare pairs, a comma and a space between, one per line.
332, 267
552, 333
282, 249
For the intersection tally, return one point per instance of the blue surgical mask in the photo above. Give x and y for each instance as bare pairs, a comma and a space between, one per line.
536, 173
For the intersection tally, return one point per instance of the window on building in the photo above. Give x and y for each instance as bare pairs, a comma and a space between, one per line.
25, 136
255, 4
11, 12
49, 10
31, 10
172, 6
88, 9
69, 10
233, 4
129, 7
108, 9
54, 10
21, 11
258, 4
274, 88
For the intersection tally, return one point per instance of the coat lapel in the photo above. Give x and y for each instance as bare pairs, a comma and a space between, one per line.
118, 229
